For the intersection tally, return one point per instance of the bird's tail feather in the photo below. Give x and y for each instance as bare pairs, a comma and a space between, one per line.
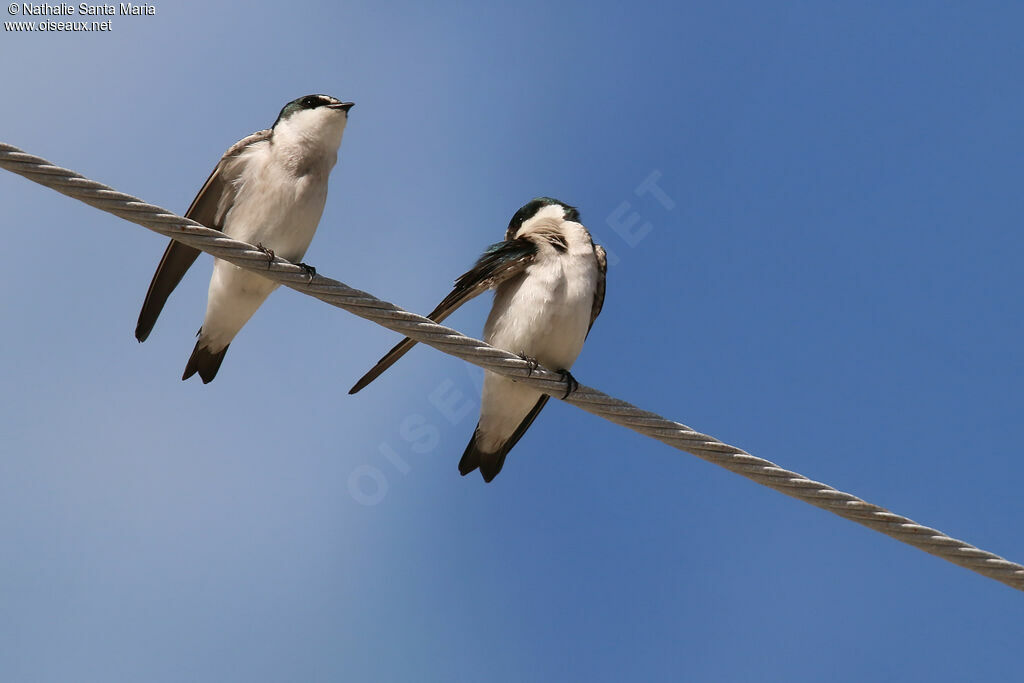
488, 463
205, 362
491, 463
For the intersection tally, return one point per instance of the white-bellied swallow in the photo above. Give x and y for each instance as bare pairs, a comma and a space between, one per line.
549, 278
268, 189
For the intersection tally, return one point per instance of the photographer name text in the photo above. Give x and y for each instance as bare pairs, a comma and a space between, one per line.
63, 9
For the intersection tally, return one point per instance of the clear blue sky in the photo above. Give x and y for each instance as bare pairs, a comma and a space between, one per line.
836, 287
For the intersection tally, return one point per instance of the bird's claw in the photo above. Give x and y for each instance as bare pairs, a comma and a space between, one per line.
309, 270
571, 384
269, 252
531, 363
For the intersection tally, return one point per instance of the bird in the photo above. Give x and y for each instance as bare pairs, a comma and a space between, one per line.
549, 281
268, 189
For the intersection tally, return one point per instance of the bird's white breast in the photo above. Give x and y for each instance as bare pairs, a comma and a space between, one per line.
278, 202
545, 312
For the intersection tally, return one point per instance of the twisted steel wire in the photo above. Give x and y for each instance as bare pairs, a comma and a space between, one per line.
502, 362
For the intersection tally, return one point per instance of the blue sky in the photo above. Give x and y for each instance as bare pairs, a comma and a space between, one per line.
834, 284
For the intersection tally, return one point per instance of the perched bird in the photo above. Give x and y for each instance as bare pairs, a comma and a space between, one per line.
549, 278
268, 189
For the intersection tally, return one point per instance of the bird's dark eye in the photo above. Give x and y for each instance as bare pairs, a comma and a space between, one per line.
309, 102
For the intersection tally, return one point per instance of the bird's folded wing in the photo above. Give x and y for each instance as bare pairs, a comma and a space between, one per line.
499, 263
209, 208
602, 272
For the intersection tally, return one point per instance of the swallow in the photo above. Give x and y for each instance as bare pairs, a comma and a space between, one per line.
268, 189
549, 282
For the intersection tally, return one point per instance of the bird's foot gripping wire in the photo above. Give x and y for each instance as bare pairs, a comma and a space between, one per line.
309, 270
532, 363
571, 384
269, 252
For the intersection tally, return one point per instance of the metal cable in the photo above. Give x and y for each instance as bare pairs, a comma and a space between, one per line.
502, 362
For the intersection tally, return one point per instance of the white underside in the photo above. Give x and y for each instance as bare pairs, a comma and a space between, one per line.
544, 314
276, 208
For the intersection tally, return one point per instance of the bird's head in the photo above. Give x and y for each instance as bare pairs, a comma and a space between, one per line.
540, 213
319, 118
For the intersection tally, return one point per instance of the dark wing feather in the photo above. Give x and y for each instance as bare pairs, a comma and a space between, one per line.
602, 272
178, 258
500, 262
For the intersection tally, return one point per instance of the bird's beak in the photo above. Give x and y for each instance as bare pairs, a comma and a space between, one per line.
344, 106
